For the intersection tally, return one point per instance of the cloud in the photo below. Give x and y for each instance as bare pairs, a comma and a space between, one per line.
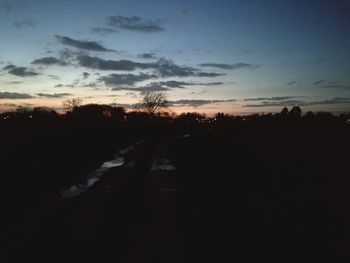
229, 66
25, 23
55, 95
125, 79
48, 61
68, 54
98, 63
86, 75
209, 74
196, 103
86, 45
335, 86
147, 55
167, 68
103, 31
20, 71
319, 82
286, 103
276, 103
164, 67
164, 86
291, 83
54, 76
135, 23
147, 88
272, 98
8, 104
59, 85
16, 82
14, 95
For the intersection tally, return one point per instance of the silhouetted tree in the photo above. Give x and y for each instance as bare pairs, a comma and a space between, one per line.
154, 102
295, 112
71, 104
284, 111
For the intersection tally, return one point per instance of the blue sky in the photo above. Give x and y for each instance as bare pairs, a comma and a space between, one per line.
208, 56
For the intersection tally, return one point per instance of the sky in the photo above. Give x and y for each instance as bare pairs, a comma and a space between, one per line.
232, 56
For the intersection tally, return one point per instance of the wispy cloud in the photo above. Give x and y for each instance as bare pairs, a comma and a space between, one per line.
103, 31
86, 75
165, 86
24, 23
55, 95
147, 55
319, 82
102, 64
164, 67
196, 103
125, 79
48, 61
272, 98
286, 103
291, 83
14, 95
20, 71
135, 23
86, 45
229, 66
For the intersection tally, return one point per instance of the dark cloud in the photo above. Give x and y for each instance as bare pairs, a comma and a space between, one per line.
98, 63
86, 45
164, 86
167, 68
59, 85
25, 23
143, 89
272, 98
319, 82
125, 79
229, 66
331, 101
14, 95
68, 54
196, 103
209, 74
164, 67
48, 61
20, 71
135, 23
55, 95
86, 75
291, 83
91, 85
147, 55
276, 103
103, 31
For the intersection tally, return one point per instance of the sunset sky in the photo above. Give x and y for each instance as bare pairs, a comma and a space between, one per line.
235, 56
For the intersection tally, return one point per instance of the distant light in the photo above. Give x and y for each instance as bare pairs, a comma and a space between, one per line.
30, 116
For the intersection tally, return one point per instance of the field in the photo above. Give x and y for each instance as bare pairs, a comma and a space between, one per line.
261, 187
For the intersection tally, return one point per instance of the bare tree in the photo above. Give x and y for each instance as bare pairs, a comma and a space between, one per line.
71, 104
154, 102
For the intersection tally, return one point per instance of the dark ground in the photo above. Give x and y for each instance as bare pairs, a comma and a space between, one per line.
241, 191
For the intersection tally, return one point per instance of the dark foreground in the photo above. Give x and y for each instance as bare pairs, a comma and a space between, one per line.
232, 191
